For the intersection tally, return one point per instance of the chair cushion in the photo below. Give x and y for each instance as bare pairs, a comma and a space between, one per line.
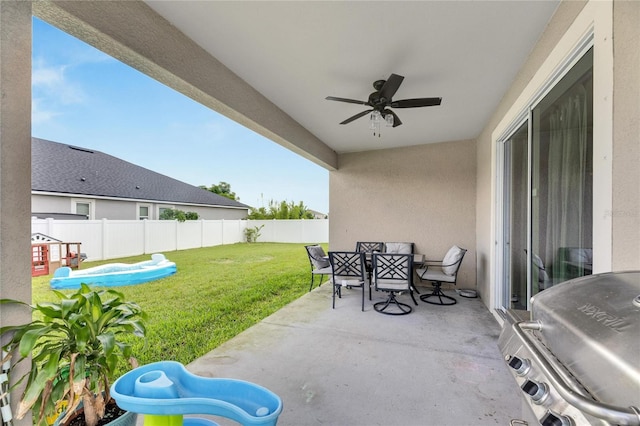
581, 255
451, 258
322, 271
542, 273
402, 248
435, 274
348, 281
392, 285
318, 257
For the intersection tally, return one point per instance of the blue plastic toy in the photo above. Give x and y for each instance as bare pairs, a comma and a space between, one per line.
165, 391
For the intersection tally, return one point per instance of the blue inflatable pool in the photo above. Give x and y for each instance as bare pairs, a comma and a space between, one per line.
114, 274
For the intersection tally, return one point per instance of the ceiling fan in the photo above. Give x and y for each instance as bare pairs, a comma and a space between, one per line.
381, 100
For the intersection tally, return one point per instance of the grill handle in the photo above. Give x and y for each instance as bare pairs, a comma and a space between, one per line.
617, 415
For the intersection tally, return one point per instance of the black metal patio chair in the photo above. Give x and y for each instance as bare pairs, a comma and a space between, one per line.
348, 270
393, 273
319, 263
441, 271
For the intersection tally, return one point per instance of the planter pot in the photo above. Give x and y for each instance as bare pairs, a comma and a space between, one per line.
129, 418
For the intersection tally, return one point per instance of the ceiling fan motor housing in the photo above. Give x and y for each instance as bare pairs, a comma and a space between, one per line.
378, 84
382, 99
377, 102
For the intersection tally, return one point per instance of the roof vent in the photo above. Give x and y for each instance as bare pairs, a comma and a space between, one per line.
77, 148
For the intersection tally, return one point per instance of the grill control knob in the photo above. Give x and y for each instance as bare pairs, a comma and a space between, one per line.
552, 419
537, 391
520, 365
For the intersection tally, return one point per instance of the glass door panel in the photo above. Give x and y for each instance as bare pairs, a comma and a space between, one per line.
515, 221
562, 171
547, 191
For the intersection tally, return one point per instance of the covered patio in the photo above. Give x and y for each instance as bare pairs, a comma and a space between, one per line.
434, 181
436, 366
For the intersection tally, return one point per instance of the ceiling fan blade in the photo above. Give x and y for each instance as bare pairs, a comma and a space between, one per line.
396, 119
391, 86
415, 103
355, 117
350, 101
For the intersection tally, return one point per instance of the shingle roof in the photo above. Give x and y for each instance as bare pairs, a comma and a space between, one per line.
62, 168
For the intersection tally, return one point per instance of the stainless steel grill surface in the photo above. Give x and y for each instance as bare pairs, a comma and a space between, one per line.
577, 358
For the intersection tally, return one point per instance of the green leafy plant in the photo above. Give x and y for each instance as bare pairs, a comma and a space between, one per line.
76, 344
281, 210
223, 188
179, 215
252, 234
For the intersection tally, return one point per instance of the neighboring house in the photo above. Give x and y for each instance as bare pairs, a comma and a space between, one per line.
318, 215
69, 180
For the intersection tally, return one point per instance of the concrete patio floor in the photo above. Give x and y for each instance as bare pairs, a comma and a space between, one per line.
437, 366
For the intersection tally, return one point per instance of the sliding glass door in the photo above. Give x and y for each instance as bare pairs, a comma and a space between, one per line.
547, 190
516, 196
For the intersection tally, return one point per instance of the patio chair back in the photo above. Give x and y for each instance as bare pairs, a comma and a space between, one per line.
319, 262
348, 270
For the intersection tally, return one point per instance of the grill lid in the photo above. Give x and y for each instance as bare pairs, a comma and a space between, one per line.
592, 326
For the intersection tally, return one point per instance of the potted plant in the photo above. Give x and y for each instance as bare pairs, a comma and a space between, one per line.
76, 344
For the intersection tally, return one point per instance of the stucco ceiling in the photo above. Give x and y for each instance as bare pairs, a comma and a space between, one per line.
297, 53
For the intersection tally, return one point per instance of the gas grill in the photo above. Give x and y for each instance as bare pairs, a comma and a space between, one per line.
576, 355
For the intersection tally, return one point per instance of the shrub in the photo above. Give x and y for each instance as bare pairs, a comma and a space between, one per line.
252, 234
179, 215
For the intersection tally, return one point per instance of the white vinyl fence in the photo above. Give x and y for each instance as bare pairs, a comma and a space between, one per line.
109, 239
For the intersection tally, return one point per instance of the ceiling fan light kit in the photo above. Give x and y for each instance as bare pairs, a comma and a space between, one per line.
381, 100
375, 120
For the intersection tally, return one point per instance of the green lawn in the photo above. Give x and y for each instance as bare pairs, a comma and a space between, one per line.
217, 293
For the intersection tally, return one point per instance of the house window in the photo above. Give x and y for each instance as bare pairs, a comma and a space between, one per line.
547, 190
144, 211
162, 209
83, 207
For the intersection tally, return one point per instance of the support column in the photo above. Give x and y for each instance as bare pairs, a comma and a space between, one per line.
15, 169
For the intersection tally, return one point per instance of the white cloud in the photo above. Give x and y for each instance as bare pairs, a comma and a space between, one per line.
50, 83
39, 115
52, 91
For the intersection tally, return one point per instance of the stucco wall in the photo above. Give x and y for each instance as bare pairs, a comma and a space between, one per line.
622, 241
423, 194
116, 210
485, 196
50, 204
626, 136
15, 172
126, 210
485, 185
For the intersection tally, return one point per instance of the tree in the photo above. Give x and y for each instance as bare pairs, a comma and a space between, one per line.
281, 210
223, 188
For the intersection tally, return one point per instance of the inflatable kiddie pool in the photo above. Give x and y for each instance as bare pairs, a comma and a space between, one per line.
114, 274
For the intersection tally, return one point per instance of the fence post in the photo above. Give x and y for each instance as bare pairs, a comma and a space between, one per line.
105, 243
145, 235
49, 226
176, 237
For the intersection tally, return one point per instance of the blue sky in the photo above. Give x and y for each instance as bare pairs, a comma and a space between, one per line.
84, 97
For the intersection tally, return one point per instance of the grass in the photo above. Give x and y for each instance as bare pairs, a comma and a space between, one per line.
217, 293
